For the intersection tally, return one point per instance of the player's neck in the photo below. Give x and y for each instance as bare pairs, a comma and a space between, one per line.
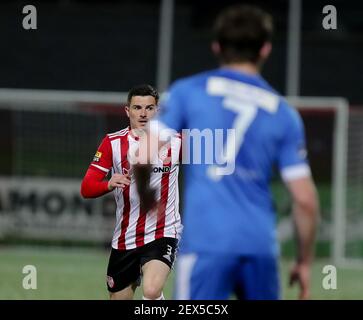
135, 132
248, 68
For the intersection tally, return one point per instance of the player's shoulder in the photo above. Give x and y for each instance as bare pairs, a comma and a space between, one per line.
286, 108
117, 134
288, 114
283, 106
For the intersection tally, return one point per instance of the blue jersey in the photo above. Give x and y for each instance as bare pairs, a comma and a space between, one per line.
233, 213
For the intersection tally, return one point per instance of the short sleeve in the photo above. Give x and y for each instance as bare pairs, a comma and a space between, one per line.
172, 110
102, 159
292, 153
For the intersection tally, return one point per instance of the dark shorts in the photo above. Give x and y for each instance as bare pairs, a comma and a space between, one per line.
124, 266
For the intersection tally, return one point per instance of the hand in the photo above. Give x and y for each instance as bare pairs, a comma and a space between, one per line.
300, 273
119, 181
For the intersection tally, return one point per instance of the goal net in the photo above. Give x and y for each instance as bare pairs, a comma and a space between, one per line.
352, 221
48, 140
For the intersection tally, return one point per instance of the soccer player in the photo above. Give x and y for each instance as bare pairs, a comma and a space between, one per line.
143, 242
229, 238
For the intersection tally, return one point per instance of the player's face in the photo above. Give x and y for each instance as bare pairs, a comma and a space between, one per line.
141, 110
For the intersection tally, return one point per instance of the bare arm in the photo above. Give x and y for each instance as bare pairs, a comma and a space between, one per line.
306, 216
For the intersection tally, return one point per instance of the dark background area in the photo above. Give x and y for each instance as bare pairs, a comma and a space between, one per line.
112, 45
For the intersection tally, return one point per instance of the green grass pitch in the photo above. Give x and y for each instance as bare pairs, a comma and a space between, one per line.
64, 273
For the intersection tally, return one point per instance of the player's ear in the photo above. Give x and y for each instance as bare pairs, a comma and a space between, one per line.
265, 50
216, 48
127, 109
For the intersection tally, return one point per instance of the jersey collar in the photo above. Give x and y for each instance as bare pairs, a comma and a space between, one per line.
136, 138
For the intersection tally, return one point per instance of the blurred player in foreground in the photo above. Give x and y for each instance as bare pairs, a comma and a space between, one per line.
229, 239
142, 243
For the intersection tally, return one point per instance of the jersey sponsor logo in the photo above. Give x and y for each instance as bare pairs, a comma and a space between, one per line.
110, 281
97, 156
164, 169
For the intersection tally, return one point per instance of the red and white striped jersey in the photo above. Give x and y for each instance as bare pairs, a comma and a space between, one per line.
135, 228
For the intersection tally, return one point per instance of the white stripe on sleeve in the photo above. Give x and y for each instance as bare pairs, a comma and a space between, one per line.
99, 167
295, 172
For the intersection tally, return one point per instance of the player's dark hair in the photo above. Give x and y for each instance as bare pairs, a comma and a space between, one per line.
143, 90
241, 31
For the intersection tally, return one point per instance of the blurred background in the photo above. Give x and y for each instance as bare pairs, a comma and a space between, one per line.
63, 87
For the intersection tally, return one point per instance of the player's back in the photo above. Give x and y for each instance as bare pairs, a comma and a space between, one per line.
228, 206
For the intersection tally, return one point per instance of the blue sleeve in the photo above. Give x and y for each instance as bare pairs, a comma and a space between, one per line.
292, 146
172, 109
